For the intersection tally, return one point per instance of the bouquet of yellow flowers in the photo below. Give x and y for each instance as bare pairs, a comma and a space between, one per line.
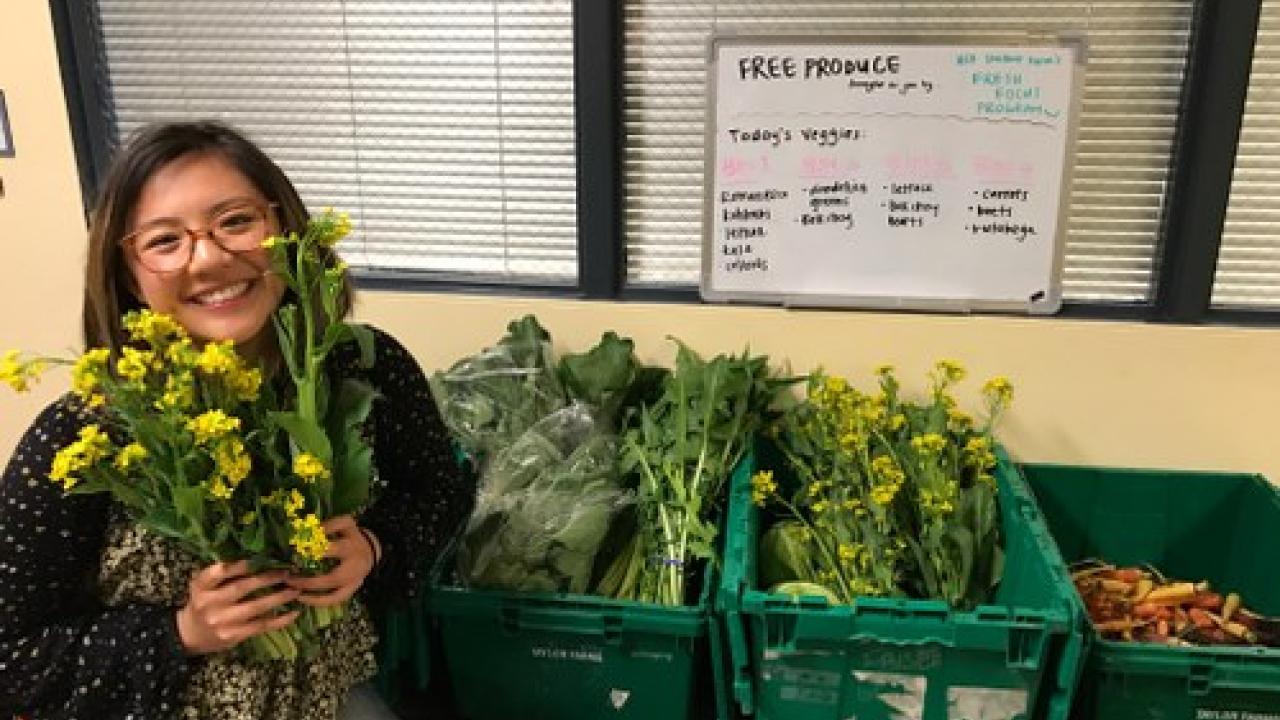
198, 449
892, 497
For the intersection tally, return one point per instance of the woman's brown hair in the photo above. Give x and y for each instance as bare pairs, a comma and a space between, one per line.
108, 289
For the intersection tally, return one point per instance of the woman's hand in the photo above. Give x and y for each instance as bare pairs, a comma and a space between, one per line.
355, 559
219, 613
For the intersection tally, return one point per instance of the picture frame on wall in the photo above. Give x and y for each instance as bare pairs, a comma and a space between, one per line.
6, 135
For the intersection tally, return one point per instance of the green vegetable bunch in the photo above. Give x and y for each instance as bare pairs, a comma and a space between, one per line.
892, 497
681, 450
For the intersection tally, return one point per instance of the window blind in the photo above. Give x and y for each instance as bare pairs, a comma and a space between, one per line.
446, 129
1136, 53
1248, 272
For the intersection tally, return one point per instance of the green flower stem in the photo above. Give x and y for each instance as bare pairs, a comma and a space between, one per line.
796, 462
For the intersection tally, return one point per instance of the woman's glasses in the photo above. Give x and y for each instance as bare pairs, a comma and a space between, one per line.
167, 246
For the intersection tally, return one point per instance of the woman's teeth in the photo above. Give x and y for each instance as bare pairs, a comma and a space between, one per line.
221, 295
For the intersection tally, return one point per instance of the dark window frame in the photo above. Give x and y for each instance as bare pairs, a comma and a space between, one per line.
1210, 115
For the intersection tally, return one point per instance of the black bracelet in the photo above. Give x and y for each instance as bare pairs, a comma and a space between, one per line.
373, 547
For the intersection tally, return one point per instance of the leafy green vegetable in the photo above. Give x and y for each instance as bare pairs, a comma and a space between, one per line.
544, 434
487, 400
682, 449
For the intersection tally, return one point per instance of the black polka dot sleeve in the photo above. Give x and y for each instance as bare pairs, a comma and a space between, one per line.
62, 654
426, 498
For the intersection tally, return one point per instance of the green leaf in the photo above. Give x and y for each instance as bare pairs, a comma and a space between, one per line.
962, 540
188, 504
365, 339
351, 480
785, 554
602, 376
306, 434
352, 457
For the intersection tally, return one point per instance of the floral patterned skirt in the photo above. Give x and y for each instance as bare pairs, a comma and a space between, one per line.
140, 566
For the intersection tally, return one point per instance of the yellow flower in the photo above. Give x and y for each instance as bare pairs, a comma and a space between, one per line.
308, 539
872, 413
951, 370
884, 467
94, 444
211, 425
65, 462
884, 493
293, 502
86, 374
820, 507
218, 358
179, 392
244, 384
156, 329
847, 553
929, 444
309, 468
133, 364
219, 489
273, 241
181, 354
129, 455
249, 517
19, 374
978, 453
935, 505
232, 461
762, 486
998, 391
958, 420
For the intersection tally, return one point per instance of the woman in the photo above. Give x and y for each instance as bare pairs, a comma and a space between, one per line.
101, 619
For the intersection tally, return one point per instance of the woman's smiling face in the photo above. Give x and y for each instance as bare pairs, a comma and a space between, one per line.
218, 295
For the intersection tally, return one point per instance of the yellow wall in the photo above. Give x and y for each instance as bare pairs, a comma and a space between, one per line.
41, 216
1087, 391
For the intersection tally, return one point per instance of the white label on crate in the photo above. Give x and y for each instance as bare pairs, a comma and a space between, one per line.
619, 698
803, 685
654, 655
579, 654
976, 703
902, 694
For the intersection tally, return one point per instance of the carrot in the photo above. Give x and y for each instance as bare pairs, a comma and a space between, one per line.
1207, 601
1174, 594
1128, 575
1142, 589
1201, 618
1230, 605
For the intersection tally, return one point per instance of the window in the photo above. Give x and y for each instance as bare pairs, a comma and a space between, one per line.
1137, 54
558, 143
446, 129
1248, 272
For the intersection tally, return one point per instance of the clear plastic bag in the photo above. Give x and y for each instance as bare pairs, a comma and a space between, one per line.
489, 399
543, 506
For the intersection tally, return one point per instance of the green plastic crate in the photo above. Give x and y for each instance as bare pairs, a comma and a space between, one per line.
1224, 528
548, 656
1019, 657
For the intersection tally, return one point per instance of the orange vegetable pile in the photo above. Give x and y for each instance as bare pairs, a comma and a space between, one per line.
1139, 604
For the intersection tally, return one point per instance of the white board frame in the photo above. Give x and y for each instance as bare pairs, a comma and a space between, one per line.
1049, 305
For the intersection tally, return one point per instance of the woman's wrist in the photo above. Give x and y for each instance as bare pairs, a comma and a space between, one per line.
375, 547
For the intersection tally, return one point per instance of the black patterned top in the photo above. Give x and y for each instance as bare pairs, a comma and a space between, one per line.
88, 601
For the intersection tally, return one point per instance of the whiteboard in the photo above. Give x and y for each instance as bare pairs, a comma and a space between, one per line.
888, 173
